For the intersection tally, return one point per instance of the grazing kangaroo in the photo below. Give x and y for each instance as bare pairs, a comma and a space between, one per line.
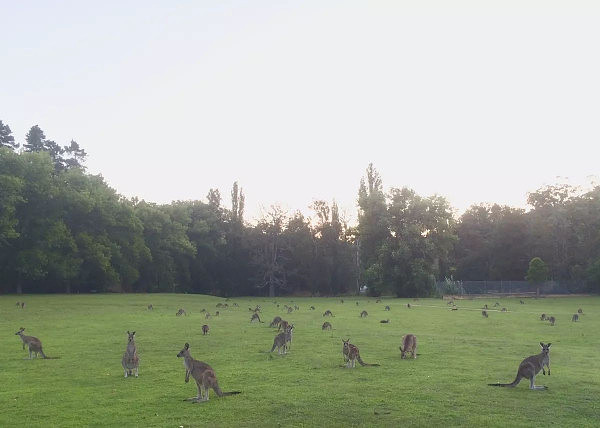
552, 320
255, 317
351, 355
205, 329
364, 314
181, 312
530, 367
130, 359
235, 305
207, 316
326, 326
496, 304
281, 340
150, 307
384, 321
203, 374
312, 308
575, 317
451, 302
203, 310
503, 310
409, 344
484, 313
543, 317
275, 322
219, 305
387, 308
378, 301
522, 302
579, 311
34, 344
290, 310
454, 308
327, 313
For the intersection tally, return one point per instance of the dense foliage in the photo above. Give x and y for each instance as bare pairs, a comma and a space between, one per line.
63, 230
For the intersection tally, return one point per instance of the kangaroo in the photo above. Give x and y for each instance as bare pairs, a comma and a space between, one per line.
205, 329
485, 306
18, 304
235, 305
579, 311
484, 313
552, 320
22, 305
296, 307
521, 302
312, 308
356, 303
180, 312
409, 344
281, 340
203, 374
290, 310
203, 310
408, 305
33, 343
327, 313
384, 321
530, 367
341, 300
503, 310
496, 304
378, 301
207, 316
454, 308
219, 305
351, 354
451, 302
543, 317
575, 317
387, 308
326, 326
255, 317
364, 314
150, 307
275, 322
130, 359
283, 325
217, 313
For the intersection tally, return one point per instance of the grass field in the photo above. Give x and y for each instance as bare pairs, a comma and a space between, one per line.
460, 353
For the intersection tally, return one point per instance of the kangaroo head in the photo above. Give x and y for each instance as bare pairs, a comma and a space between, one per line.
185, 351
545, 348
346, 345
20, 332
130, 336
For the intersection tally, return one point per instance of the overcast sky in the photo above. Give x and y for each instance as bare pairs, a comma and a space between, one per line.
479, 101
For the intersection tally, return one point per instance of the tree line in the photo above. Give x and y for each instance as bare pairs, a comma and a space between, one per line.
65, 230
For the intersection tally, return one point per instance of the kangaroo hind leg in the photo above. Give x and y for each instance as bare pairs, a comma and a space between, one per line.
533, 386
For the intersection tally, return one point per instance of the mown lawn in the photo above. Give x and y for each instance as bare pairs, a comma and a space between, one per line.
460, 353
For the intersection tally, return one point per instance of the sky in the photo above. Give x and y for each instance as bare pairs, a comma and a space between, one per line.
478, 101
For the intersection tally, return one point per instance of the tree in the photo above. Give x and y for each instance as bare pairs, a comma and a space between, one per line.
537, 273
6, 138
35, 140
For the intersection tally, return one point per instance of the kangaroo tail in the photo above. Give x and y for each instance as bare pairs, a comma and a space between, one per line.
230, 393
508, 385
362, 363
220, 393
273, 348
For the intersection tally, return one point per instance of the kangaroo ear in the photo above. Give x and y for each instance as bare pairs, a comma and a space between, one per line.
542, 344
133, 334
187, 346
128, 332
549, 344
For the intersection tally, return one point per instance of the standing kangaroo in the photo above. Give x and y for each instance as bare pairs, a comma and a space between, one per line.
579, 311
408, 305
22, 305
364, 314
530, 367
34, 344
409, 344
150, 307
387, 308
255, 317
351, 355
484, 313
130, 359
180, 312
552, 320
203, 374
290, 310
543, 317
326, 326
275, 322
575, 317
281, 340
205, 329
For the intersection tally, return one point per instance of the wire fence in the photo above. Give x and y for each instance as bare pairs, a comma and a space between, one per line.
518, 287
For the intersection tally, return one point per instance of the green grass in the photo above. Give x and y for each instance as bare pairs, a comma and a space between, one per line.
460, 352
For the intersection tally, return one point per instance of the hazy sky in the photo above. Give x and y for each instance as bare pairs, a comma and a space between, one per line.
479, 101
